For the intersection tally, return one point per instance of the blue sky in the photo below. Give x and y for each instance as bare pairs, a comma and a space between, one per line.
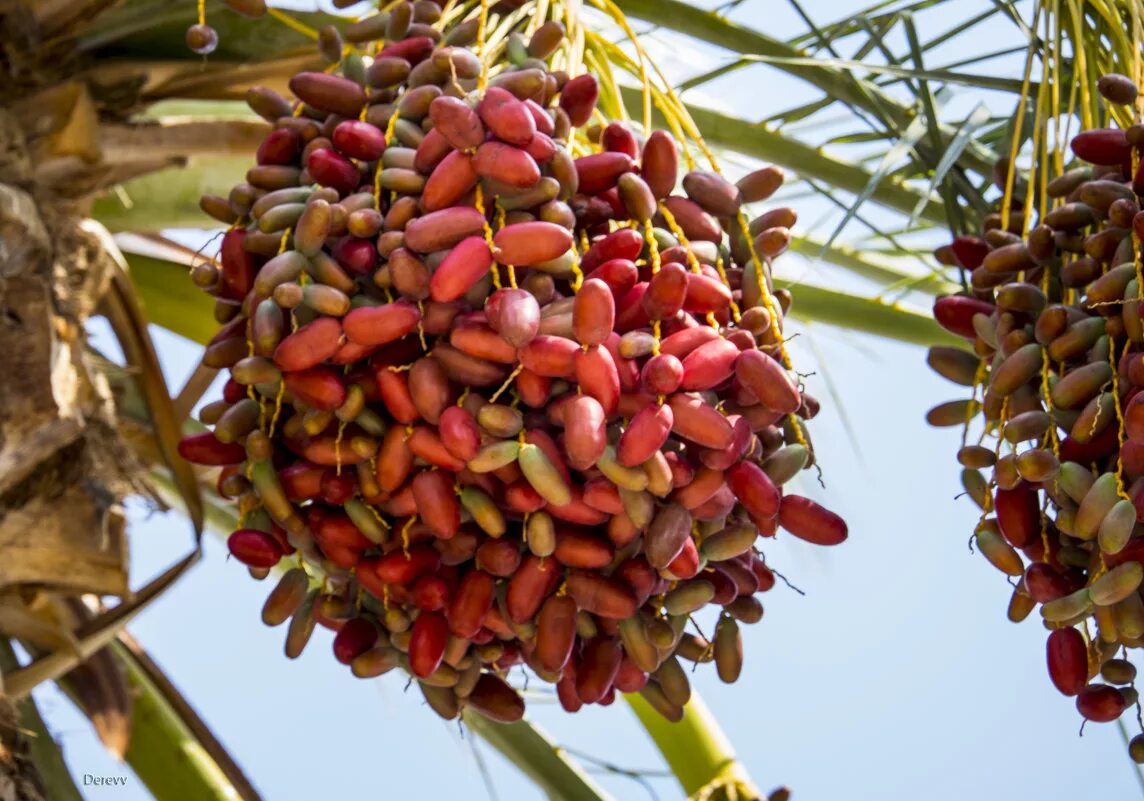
897, 675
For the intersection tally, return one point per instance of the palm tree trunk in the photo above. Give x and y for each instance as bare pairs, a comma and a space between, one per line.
19, 780
61, 468
41, 765
63, 471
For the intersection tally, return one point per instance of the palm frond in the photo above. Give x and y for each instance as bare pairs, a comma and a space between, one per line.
143, 671
758, 141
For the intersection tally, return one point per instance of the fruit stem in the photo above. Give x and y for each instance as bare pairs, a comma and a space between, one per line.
545, 763
696, 748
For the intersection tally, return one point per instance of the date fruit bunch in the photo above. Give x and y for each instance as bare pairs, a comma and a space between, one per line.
500, 392
1056, 345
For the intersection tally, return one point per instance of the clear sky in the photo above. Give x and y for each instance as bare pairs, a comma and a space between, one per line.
897, 677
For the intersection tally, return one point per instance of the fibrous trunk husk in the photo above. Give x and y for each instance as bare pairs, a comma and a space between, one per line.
61, 473
19, 780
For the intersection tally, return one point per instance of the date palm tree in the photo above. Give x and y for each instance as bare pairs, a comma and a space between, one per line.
111, 129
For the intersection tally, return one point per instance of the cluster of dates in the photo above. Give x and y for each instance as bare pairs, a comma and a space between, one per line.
1054, 318
505, 405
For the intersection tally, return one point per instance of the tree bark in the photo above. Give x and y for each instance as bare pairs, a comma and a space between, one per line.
42, 764
63, 469
19, 780
61, 525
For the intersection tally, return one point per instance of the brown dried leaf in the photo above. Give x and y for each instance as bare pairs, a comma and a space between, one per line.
95, 634
130, 326
33, 625
99, 687
181, 137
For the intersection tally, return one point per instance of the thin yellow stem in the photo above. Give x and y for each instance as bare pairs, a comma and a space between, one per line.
482, 32
292, 23
614, 12
1080, 75
1018, 125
